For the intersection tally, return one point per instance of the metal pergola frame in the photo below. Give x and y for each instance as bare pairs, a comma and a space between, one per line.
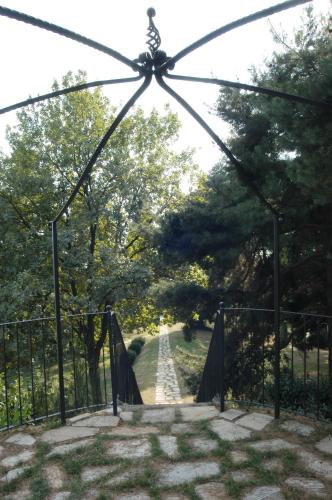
156, 63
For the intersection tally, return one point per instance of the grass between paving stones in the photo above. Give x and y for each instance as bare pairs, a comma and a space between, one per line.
38, 485
147, 468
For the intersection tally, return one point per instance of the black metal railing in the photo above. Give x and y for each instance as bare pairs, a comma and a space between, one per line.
29, 368
241, 362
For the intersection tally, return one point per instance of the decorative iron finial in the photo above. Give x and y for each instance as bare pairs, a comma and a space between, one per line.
154, 39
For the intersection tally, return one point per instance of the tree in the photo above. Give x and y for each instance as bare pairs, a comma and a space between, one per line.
106, 256
286, 149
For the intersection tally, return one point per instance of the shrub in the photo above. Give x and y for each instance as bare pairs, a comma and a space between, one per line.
187, 333
131, 355
135, 346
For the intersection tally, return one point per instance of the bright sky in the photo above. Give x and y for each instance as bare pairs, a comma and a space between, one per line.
31, 58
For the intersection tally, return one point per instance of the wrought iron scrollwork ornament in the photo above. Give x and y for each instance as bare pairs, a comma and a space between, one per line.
156, 58
153, 35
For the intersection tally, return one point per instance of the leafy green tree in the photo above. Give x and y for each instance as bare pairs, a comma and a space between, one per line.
286, 149
106, 255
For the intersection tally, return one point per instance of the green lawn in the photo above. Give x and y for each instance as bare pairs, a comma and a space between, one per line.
198, 347
145, 368
298, 357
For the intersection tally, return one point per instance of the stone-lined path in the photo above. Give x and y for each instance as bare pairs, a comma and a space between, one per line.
167, 387
168, 453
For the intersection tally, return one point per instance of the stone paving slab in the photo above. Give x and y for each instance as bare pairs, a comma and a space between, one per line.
91, 473
13, 474
174, 496
133, 495
21, 439
196, 413
79, 417
13, 460
265, 493
169, 446
162, 415
92, 494
62, 495
62, 434
322, 468
273, 445
62, 449
309, 486
242, 476
134, 431
211, 491
231, 414
186, 472
255, 421
19, 495
182, 428
124, 477
203, 445
239, 457
55, 476
134, 448
98, 421
300, 429
274, 464
325, 445
229, 431
127, 416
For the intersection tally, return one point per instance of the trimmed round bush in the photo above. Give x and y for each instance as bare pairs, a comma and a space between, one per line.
135, 346
132, 355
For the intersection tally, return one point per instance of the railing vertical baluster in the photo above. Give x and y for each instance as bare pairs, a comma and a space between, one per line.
5, 374
114, 381
104, 370
292, 357
44, 368
74, 363
263, 370
222, 361
305, 368
18, 349
58, 325
32, 374
329, 337
86, 370
318, 372
276, 306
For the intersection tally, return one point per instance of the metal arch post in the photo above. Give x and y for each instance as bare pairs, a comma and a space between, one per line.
251, 88
68, 90
57, 307
222, 361
231, 26
59, 30
276, 300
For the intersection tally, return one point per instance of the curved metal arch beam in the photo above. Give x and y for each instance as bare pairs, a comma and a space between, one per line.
102, 145
54, 28
252, 88
231, 26
57, 93
235, 162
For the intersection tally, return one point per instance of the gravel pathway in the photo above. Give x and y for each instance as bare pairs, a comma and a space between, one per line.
167, 387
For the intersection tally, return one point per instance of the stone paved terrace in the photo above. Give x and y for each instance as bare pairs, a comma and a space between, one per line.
173, 452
